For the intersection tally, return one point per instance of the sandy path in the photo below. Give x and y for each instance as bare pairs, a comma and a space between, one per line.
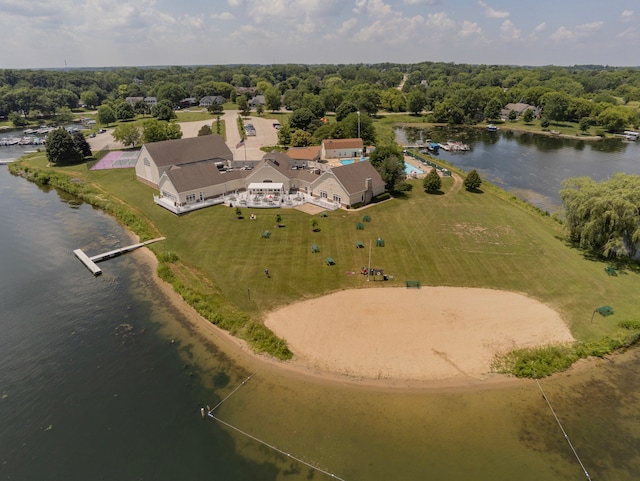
432, 333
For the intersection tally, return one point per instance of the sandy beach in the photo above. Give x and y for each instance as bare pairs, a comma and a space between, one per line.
426, 334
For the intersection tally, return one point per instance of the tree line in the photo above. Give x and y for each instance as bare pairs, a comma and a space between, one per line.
452, 93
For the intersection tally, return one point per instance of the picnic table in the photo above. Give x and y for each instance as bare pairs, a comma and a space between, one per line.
359, 244
315, 248
330, 261
610, 271
266, 234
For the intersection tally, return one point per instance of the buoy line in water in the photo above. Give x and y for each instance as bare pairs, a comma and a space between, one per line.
566, 436
264, 443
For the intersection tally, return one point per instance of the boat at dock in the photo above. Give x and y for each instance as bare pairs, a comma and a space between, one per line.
454, 146
492, 128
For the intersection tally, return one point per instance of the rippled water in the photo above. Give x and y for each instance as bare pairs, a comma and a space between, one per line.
102, 378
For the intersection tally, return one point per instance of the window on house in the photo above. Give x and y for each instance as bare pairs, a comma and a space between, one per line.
337, 199
146, 162
323, 194
191, 198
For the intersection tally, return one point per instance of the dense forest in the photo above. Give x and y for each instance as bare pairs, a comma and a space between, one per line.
606, 97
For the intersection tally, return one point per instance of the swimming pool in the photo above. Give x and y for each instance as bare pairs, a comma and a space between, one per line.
351, 161
410, 169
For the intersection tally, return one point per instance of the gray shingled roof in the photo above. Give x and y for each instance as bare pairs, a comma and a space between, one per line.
194, 176
352, 176
184, 151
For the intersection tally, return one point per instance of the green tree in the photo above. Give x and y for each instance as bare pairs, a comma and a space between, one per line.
584, 124
61, 148
555, 105
83, 145
432, 181
301, 138
344, 109
64, 115
545, 123
614, 119
472, 182
17, 120
106, 115
528, 116
243, 105
171, 92
604, 217
142, 108
215, 108
416, 101
493, 109
205, 130
158, 130
301, 119
513, 115
389, 162
259, 109
272, 99
163, 111
89, 98
284, 135
124, 111
173, 131
128, 134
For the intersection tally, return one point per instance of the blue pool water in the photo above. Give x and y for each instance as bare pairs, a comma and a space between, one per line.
410, 169
351, 161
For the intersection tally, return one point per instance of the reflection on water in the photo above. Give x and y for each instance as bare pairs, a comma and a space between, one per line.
110, 362
531, 166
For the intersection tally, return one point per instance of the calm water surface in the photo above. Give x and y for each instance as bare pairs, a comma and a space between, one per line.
533, 167
101, 378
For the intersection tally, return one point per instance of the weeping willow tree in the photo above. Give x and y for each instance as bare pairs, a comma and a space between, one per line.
604, 217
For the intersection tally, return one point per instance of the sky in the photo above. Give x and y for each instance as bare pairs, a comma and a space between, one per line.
106, 33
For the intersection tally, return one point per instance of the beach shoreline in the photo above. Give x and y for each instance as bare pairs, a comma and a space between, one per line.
441, 367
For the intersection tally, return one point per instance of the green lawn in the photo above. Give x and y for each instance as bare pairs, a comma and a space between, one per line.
488, 239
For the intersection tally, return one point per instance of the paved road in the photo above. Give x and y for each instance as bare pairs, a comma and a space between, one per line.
266, 134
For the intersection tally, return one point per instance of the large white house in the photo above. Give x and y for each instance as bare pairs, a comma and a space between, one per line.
199, 170
341, 148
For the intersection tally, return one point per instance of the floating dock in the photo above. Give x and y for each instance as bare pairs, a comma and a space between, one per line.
90, 262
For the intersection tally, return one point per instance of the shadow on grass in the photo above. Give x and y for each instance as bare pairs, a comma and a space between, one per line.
434, 192
475, 191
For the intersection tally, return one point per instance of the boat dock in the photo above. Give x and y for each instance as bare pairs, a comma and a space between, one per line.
91, 262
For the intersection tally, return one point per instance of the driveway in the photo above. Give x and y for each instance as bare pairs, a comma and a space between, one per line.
266, 134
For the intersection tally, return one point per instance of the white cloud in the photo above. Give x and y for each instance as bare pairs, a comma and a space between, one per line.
377, 8
508, 31
539, 28
422, 2
439, 21
491, 13
469, 29
223, 16
579, 32
630, 34
626, 16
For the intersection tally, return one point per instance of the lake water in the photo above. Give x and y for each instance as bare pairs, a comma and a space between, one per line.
530, 166
102, 378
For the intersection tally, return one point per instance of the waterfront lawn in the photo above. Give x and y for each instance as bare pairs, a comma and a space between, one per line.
464, 239
461, 239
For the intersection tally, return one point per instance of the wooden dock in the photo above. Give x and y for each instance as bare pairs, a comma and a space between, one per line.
91, 262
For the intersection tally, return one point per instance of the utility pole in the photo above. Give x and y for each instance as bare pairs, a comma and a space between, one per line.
358, 124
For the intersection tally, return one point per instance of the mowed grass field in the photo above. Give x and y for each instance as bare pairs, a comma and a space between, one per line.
459, 238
